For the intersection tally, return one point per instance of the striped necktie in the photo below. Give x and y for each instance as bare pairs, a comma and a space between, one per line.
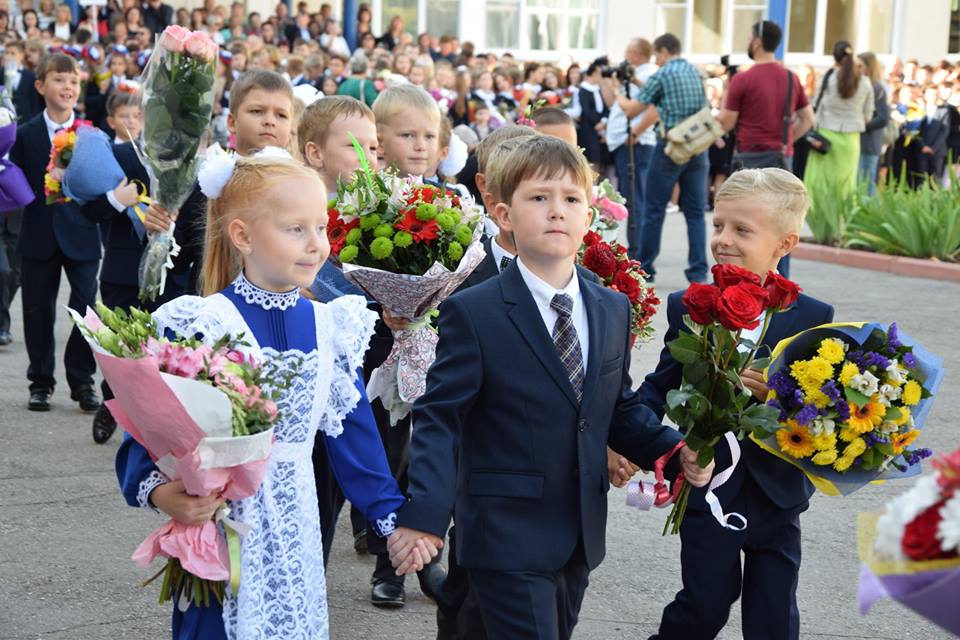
567, 343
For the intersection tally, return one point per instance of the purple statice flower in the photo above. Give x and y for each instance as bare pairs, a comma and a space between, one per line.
843, 411
869, 439
783, 383
797, 399
806, 415
909, 360
858, 461
893, 337
857, 358
776, 405
914, 457
830, 390
874, 359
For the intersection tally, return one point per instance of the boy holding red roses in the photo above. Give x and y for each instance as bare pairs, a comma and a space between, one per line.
757, 221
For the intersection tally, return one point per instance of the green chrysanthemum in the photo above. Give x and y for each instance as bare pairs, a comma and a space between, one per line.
463, 234
446, 221
370, 221
426, 212
353, 236
383, 231
349, 253
402, 239
455, 251
381, 248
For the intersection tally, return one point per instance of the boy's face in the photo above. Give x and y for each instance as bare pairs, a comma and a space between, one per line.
12, 58
336, 67
336, 158
410, 142
263, 119
60, 90
127, 122
566, 132
745, 233
548, 218
118, 65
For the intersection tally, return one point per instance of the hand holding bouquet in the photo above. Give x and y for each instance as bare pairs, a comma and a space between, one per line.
912, 552
712, 402
618, 272
178, 96
852, 399
205, 414
61, 152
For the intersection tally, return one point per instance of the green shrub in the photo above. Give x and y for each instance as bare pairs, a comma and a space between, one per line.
830, 210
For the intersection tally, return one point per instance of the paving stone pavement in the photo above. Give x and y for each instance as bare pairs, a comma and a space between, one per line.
66, 535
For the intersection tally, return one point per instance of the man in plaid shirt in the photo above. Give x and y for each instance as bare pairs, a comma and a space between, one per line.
675, 92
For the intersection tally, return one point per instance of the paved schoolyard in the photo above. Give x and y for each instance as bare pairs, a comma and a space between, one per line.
66, 535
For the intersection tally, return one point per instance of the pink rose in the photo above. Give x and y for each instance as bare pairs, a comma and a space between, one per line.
613, 210
174, 38
271, 408
199, 45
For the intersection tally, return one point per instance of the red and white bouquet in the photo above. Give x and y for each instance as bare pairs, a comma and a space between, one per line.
618, 272
911, 553
408, 245
205, 414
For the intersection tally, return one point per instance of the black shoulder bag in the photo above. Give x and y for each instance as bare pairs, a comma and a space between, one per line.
817, 141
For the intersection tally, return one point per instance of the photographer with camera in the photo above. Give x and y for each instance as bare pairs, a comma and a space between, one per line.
630, 147
761, 103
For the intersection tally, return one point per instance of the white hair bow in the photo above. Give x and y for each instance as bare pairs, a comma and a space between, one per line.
215, 170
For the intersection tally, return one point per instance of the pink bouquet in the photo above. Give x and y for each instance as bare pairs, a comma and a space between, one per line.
608, 209
203, 415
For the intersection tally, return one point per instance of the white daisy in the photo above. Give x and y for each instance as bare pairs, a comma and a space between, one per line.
948, 531
900, 512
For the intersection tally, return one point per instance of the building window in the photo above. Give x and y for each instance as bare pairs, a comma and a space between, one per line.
881, 16
710, 26
582, 19
406, 9
802, 35
708, 19
817, 25
543, 23
746, 13
954, 44
840, 24
503, 18
672, 17
443, 17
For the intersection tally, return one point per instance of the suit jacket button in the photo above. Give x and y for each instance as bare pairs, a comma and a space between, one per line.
582, 424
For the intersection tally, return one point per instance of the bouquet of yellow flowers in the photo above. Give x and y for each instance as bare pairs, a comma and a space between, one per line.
61, 151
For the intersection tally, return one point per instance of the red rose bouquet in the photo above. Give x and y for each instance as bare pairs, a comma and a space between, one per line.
712, 403
618, 272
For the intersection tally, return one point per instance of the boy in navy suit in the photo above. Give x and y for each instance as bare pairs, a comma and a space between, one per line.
19, 83
757, 221
529, 386
54, 238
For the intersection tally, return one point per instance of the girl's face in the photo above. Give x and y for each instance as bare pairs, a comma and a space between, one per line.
502, 83
285, 249
485, 82
417, 76
403, 65
575, 76
29, 20
63, 14
118, 65
550, 80
329, 86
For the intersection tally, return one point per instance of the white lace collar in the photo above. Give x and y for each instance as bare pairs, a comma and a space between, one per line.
253, 294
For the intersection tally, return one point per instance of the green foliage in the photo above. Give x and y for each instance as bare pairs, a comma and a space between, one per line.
829, 213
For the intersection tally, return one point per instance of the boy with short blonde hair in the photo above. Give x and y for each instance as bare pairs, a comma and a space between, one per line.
521, 449
324, 138
408, 127
756, 222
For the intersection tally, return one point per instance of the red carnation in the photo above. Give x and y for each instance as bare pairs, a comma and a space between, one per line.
591, 238
781, 292
599, 258
627, 285
337, 230
729, 275
701, 300
740, 306
920, 536
420, 230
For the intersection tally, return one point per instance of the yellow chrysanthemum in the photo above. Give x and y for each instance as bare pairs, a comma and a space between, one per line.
856, 447
904, 417
799, 369
901, 441
831, 350
842, 463
825, 458
825, 442
795, 440
865, 418
51, 184
813, 395
912, 393
847, 373
820, 369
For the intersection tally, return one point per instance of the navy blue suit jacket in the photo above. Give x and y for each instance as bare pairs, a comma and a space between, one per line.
783, 483
121, 260
49, 227
531, 478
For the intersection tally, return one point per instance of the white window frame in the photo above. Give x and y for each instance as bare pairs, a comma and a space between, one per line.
380, 21
730, 8
860, 39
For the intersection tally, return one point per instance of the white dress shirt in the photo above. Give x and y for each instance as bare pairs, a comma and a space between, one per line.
498, 254
543, 293
53, 127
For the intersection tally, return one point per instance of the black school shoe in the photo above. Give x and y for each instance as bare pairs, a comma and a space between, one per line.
103, 425
387, 595
39, 400
87, 398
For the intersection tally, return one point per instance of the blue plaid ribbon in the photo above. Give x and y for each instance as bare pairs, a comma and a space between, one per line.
567, 343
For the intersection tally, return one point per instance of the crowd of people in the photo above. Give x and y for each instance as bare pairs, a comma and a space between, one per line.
438, 109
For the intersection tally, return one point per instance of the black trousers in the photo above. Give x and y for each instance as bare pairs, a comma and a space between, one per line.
714, 578
40, 282
458, 615
532, 605
9, 263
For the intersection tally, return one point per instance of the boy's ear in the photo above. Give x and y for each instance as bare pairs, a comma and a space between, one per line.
481, 181
231, 123
239, 235
313, 155
501, 215
39, 86
787, 244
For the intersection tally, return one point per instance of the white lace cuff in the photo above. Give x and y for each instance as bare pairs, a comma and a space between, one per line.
147, 485
386, 526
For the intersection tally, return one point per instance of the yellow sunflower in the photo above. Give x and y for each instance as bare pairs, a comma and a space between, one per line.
912, 392
825, 442
795, 440
855, 448
831, 350
824, 458
901, 441
865, 418
842, 463
847, 373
